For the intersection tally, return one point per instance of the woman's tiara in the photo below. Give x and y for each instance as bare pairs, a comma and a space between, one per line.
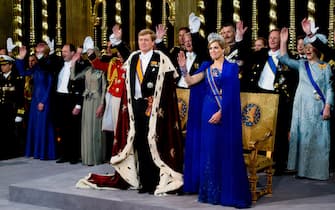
215, 37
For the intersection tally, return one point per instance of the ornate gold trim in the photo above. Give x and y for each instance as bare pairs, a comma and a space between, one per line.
236, 14
118, 10
32, 34
292, 33
104, 25
148, 8
331, 23
219, 16
254, 21
201, 8
172, 10
311, 10
273, 14
132, 32
96, 20
44, 14
58, 38
17, 22
164, 17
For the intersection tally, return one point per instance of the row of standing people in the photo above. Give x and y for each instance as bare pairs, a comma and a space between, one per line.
305, 86
262, 71
306, 98
153, 143
260, 77
303, 140
55, 110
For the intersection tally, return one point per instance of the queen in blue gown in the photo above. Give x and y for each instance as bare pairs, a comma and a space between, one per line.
214, 163
40, 141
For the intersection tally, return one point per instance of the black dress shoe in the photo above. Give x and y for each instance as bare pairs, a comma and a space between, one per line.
74, 161
146, 190
290, 172
62, 160
278, 172
142, 191
177, 192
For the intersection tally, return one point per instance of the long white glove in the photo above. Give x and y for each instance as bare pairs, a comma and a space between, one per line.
315, 35
114, 40
194, 23
10, 44
313, 28
18, 119
51, 45
88, 44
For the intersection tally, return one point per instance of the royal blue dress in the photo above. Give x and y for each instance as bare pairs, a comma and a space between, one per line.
40, 142
214, 163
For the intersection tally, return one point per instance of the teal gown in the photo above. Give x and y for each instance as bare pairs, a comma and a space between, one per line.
310, 134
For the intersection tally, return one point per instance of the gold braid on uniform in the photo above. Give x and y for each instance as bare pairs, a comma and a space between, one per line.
111, 74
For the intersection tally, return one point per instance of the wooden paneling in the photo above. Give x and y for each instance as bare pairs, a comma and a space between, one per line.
78, 21
6, 17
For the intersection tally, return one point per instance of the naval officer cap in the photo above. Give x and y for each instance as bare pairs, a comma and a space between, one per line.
5, 59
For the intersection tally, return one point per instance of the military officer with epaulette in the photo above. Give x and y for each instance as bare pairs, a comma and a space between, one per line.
11, 108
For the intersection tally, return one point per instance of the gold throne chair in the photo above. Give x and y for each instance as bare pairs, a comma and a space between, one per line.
183, 96
259, 119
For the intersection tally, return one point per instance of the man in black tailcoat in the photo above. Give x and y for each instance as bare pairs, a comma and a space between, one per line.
68, 102
267, 75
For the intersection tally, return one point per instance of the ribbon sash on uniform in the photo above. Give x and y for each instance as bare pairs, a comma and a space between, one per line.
214, 88
272, 65
139, 70
316, 87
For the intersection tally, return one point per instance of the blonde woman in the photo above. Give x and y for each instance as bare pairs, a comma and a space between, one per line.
214, 164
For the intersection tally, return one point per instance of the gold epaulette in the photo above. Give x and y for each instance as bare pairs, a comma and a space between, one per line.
20, 111
103, 52
111, 74
331, 63
322, 57
114, 50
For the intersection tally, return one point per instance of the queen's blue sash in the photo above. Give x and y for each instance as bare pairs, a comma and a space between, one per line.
316, 87
214, 88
